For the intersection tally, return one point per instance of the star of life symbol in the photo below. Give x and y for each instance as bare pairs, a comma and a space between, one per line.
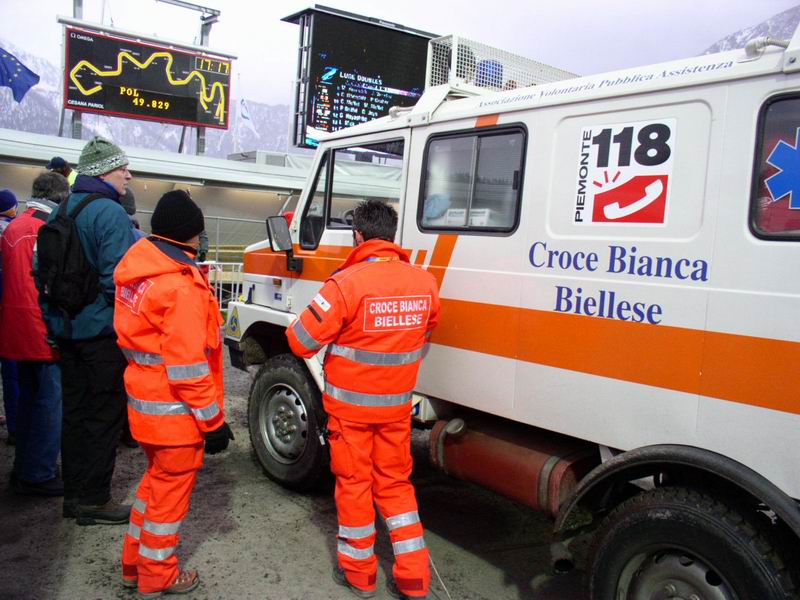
786, 158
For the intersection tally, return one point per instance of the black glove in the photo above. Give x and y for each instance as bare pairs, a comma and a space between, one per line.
218, 440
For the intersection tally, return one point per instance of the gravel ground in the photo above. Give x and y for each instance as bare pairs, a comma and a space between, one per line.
250, 538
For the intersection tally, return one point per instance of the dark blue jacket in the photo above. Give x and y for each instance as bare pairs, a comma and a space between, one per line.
106, 234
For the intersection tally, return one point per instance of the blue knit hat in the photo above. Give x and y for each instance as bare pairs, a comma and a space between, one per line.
7, 200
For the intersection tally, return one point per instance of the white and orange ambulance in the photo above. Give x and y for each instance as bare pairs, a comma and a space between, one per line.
619, 264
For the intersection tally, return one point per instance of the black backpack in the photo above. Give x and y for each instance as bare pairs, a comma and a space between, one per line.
65, 278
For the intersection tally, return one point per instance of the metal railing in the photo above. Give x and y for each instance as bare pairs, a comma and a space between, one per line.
227, 236
226, 277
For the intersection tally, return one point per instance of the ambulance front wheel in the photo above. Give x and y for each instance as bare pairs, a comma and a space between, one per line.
674, 542
285, 418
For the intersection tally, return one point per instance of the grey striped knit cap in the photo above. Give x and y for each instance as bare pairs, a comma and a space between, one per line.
100, 156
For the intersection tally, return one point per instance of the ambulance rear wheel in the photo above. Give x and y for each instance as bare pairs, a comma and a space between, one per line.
674, 542
285, 418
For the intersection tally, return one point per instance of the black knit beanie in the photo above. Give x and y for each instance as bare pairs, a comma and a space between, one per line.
177, 217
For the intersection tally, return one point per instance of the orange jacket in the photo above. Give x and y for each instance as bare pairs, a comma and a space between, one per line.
167, 321
375, 314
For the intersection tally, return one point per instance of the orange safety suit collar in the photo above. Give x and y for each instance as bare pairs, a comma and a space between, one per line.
372, 249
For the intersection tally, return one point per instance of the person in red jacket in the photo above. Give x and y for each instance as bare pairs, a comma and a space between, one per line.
375, 315
168, 326
23, 339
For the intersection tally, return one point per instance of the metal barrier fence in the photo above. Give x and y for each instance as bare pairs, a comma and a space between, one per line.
226, 277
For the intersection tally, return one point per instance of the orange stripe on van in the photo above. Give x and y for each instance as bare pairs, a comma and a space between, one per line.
318, 264
487, 120
738, 368
440, 259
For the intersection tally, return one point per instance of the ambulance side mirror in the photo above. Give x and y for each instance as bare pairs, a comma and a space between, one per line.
280, 240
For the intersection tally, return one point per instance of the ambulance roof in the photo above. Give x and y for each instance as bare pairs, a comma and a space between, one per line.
699, 70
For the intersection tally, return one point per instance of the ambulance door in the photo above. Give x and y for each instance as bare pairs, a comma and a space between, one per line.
750, 411
350, 171
464, 204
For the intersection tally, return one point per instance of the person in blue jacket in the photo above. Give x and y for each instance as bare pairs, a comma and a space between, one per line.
92, 365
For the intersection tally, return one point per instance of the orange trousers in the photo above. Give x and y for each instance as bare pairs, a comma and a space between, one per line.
372, 464
161, 503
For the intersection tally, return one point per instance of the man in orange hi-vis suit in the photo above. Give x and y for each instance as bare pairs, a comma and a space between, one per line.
375, 315
167, 322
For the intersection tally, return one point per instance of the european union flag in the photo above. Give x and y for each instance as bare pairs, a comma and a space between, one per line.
15, 75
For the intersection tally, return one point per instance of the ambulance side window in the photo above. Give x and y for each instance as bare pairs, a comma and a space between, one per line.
313, 222
775, 200
473, 181
363, 172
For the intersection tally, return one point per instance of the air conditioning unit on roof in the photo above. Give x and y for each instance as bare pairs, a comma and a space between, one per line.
476, 68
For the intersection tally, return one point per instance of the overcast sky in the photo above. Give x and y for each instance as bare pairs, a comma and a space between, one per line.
582, 36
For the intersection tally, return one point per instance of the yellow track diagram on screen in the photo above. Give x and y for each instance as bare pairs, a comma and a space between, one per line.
205, 97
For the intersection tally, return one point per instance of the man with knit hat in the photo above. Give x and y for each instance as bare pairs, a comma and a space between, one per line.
92, 364
168, 323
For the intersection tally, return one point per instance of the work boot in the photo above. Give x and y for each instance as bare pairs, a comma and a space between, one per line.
186, 582
110, 513
51, 487
340, 578
394, 592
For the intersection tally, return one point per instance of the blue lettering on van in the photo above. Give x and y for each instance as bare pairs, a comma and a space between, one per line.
628, 261
621, 260
606, 304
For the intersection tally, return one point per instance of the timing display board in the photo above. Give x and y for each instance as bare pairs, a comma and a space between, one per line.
122, 77
357, 71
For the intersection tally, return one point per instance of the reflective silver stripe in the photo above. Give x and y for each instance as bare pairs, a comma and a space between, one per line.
398, 521
357, 553
156, 553
143, 358
209, 412
366, 399
417, 543
150, 407
366, 357
138, 504
134, 531
355, 533
181, 372
304, 337
161, 528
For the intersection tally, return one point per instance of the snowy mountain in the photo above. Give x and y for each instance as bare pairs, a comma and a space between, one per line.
40, 110
781, 26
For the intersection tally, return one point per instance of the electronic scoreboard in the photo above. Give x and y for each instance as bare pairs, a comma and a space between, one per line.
354, 69
124, 77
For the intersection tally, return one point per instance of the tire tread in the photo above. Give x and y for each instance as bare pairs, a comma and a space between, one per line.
705, 504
